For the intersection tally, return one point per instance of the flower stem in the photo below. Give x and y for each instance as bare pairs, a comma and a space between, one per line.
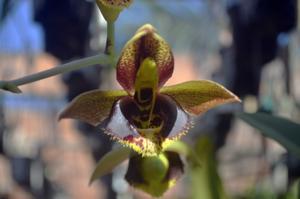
12, 85
110, 41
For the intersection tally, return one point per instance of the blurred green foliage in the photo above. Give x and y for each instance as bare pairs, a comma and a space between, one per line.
284, 131
205, 180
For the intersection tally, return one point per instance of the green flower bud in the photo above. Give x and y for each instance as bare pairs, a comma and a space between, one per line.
111, 9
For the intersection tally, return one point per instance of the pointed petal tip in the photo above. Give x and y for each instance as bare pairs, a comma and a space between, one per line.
61, 115
146, 28
91, 181
237, 99
59, 118
65, 114
232, 98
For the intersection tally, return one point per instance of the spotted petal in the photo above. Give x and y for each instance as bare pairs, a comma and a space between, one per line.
196, 97
93, 106
171, 123
146, 43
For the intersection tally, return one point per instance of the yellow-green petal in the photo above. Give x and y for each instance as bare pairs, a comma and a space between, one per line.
196, 97
109, 161
93, 106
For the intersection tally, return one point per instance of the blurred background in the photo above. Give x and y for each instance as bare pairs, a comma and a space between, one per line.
250, 46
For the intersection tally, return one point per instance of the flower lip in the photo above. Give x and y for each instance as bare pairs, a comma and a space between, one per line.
165, 169
169, 123
165, 114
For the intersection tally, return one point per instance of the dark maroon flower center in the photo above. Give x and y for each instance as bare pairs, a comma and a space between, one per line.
164, 114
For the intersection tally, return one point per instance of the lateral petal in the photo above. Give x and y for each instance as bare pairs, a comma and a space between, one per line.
196, 97
93, 106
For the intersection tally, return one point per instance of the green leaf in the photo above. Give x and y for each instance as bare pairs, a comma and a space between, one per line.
109, 161
280, 129
197, 97
294, 191
93, 106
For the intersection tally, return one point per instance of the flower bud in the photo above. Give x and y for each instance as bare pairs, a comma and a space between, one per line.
111, 9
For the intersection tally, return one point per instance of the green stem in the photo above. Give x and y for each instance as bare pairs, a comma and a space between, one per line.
110, 42
12, 85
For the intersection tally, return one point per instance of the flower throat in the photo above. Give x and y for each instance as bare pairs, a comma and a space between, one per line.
146, 86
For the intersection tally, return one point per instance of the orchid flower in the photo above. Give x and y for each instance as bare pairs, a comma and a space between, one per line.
146, 116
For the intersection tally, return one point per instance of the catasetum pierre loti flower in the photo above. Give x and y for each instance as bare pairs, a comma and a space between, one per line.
145, 115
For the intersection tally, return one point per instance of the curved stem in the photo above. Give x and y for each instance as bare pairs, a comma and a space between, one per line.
110, 41
12, 85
